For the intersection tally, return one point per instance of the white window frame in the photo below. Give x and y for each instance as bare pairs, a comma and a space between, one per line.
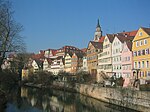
145, 41
137, 43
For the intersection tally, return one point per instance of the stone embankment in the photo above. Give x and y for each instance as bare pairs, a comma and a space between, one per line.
134, 99
130, 98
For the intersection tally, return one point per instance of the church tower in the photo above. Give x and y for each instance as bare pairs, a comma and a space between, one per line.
98, 32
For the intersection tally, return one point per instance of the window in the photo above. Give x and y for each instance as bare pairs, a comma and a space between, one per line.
141, 42
148, 73
140, 33
142, 64
139, 53
135, 53
147, 64
145, 41
135, 64
142, 74
137, 44
146, 51
143, 52
139, 66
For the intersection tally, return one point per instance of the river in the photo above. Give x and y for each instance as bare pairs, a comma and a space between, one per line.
26, 99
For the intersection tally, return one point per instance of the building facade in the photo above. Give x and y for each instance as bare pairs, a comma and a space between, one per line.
57, 65
105, 57
77, 62
92, 57
68, 61
127, 63
141, 54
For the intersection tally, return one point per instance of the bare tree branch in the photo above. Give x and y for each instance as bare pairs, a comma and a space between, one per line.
10, 39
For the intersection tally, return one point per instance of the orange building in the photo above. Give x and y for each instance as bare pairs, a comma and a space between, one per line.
77, 62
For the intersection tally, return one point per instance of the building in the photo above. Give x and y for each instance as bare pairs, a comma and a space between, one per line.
37, 65
68, 62
67, 49
92, 59
57, 65
94, 47
50, 52
127, 62
47, 64
141, 54
98, 32
76, 62
117, 46
84, 67
105, 57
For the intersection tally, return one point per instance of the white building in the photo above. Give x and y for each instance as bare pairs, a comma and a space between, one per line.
105, 57
47, 64
57, 65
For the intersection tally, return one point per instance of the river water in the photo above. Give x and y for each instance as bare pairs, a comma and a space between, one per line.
25, 99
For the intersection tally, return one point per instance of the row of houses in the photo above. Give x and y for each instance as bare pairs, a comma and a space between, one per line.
67, 58
124, 54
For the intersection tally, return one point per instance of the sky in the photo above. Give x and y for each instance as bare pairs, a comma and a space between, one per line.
56, 23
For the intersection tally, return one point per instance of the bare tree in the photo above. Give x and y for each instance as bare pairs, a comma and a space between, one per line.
10, 40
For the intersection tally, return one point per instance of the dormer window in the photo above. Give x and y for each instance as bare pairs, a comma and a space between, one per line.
140, 34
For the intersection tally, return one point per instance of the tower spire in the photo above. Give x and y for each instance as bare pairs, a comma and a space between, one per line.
98, 32
98, 25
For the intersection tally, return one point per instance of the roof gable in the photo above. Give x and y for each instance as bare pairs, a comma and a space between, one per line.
97, 45
110, 37
145, 32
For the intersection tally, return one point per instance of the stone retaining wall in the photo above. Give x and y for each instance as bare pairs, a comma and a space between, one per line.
134, 99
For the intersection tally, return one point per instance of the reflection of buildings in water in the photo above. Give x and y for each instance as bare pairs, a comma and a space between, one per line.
33, 101
24, 92
45, 100
70, 108
55, 105
61, 106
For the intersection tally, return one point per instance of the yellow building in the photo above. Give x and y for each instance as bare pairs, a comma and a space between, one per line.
141, 54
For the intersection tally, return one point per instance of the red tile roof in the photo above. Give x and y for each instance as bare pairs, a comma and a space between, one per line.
129, 44
110, 37
147, 30
123, 38
101, 39
98, 45
84, 50
130, 33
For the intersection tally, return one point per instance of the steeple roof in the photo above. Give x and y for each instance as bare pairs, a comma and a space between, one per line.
98, 25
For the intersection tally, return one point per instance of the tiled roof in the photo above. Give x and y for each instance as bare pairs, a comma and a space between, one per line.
147, 30
123, 37
98, 45
49, 60
129, 34
84, 50
79, 55
39, 62
110, 37
129, 44
38, 56
101, 39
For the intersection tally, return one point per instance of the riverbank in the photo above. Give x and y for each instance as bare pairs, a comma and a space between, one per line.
129, 98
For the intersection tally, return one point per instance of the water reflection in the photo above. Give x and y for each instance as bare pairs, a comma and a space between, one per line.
37, 100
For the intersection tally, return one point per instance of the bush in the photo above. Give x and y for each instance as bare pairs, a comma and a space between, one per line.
83, 77
45, 78
8, 79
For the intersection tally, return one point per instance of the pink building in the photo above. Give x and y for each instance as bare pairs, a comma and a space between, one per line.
127, 62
